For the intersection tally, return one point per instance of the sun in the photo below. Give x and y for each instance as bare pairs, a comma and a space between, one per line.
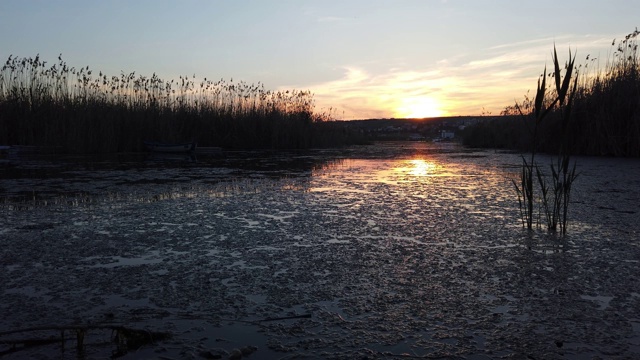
419, 107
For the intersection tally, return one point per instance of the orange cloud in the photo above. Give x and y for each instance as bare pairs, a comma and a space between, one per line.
459, 85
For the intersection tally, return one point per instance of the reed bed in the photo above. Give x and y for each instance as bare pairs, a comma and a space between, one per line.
76, 110
605, 116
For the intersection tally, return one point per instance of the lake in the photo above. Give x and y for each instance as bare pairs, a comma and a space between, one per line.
405, 249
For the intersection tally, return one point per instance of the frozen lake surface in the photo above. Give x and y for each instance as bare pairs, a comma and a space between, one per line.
383, 251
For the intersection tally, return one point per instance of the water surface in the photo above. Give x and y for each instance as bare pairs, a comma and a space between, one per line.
376, 251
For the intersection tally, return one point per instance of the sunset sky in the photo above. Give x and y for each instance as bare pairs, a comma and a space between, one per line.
363, 58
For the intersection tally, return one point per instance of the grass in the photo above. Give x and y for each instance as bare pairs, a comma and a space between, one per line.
79, 111
605, 114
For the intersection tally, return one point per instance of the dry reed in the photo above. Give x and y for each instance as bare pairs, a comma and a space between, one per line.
605, 118
75, 110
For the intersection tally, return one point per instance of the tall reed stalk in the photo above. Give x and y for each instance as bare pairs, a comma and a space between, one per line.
555, 205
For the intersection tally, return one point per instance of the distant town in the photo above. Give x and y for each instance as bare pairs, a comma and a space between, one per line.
429, 129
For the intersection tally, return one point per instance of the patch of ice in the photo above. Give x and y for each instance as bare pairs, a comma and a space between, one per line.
269, 248
280, 218
603, 301
337, 241
115, 261
501, 309
280, 272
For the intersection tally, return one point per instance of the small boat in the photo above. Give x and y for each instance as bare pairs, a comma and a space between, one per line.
170, 148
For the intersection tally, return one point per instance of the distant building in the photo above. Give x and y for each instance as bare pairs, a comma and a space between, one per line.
446, 134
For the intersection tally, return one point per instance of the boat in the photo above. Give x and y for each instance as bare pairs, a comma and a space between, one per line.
170, 148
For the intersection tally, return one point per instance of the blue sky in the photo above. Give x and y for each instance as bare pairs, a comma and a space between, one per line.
364, 59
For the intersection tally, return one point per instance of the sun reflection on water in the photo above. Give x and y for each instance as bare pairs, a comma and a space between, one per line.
417, 169
422, 167
366, 172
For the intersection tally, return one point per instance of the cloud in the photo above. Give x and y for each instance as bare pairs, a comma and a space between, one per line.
587, 42
466, 89
527, 43
462, 84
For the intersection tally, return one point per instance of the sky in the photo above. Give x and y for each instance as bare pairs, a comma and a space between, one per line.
360, 58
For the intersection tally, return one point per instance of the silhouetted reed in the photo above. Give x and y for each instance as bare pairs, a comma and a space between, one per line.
596, 113
555, 205
607, 105
605, 119
77, 110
